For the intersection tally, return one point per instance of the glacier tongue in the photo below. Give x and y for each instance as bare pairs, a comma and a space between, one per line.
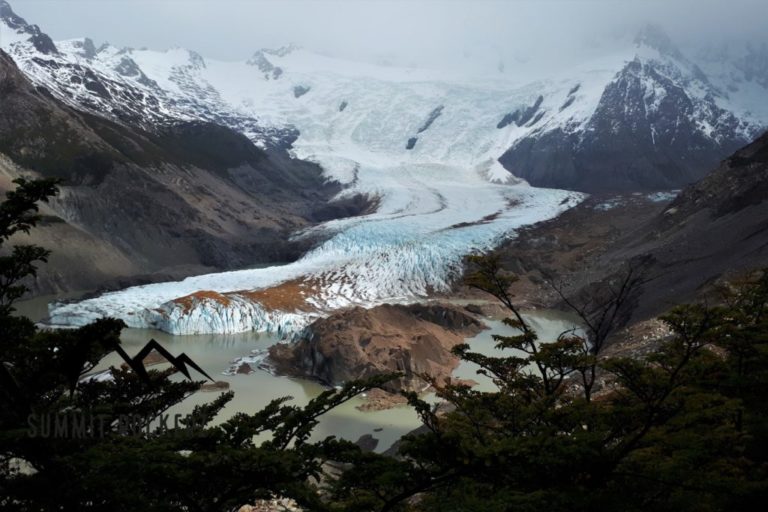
237, 315
430, 216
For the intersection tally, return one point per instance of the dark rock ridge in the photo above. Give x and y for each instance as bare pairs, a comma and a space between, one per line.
431, 118
128, 67
88, 48
433, 115
40, 40
521, 116
192, 197
262, 62
300, 90
260, 59
657, 126
359, 343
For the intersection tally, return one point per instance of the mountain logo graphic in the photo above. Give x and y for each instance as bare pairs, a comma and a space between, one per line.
182, 362
10, 390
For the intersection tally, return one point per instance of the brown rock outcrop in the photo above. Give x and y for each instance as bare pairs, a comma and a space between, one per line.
219, 385
358, 343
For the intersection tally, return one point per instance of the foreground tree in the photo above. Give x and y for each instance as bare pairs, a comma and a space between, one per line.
681, 429
53, 456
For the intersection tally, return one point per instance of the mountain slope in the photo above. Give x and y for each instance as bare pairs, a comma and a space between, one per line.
659, 124
714, 227
194, 196
205, 145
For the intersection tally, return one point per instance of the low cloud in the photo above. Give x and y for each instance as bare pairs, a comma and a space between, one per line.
420, 32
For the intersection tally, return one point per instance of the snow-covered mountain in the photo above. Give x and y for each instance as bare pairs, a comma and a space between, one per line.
136, 206
639, 114
659, 122
434, 148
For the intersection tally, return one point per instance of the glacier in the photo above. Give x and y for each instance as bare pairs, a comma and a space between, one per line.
424, 142
429, 218
437, 202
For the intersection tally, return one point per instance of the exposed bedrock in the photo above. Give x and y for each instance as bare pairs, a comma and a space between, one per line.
358, 343
647, 133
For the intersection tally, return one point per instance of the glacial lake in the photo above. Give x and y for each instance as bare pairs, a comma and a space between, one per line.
216, 352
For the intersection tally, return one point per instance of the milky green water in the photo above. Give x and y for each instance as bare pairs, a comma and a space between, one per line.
548, 324
215, 353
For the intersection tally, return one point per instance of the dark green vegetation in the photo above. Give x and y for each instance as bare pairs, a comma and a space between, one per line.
683, 429
183, 468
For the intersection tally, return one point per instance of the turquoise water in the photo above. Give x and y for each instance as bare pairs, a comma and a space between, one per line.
216, 352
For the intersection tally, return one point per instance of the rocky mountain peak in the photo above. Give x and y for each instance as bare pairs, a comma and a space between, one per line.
660, 109
282, 51
196, 60
39, 39
260, 60
86, 48
9, 17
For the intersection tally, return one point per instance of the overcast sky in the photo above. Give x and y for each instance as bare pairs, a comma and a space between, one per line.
397, 30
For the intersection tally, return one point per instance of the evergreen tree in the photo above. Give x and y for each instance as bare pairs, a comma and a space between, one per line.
681, 429
122, 461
